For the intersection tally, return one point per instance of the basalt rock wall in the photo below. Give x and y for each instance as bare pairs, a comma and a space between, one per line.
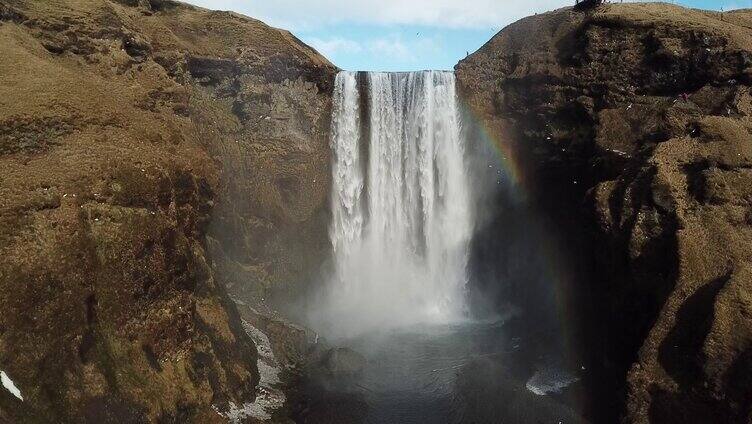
631, 128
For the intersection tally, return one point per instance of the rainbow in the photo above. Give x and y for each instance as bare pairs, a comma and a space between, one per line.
552, 251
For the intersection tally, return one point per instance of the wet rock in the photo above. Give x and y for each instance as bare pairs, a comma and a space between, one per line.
342, 361
328, 390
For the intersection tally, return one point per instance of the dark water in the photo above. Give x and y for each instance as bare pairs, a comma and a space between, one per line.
463, 373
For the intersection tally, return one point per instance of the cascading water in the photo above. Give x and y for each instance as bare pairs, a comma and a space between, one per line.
402, 222
401, 218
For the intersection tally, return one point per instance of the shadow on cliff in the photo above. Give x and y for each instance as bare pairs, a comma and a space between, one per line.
538, 251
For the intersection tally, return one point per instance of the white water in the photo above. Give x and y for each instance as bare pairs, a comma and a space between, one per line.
550, 379
401, 218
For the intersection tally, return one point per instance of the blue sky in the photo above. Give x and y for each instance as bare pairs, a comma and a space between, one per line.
402, 35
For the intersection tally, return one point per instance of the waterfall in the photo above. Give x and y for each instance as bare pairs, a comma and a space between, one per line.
401, 218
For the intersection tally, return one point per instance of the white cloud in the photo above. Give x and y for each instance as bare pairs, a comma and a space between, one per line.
392, 48
332, 46
307, 14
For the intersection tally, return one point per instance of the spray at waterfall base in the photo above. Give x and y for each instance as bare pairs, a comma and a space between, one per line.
401, 205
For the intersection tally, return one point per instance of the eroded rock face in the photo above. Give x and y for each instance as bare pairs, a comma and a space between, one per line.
147, 147
631, 124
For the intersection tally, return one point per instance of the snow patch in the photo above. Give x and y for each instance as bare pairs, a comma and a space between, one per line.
269, 398
10, 385
268, 373
263, 345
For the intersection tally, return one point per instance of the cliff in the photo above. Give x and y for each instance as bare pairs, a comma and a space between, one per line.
631, 128
152, 154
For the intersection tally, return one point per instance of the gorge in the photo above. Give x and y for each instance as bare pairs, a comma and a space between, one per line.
558, 230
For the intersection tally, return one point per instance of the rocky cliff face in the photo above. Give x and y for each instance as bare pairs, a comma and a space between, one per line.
152, 152
631, 124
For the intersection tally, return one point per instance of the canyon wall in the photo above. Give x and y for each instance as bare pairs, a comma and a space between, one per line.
631, 127
152, 154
